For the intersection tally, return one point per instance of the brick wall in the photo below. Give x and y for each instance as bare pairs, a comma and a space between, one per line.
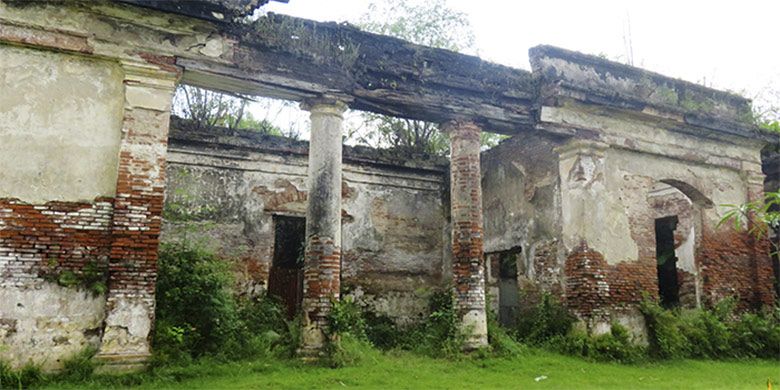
42, 241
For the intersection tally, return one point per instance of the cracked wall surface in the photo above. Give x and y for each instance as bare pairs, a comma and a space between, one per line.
393, 220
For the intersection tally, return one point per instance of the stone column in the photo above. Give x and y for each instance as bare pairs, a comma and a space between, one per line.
322, 264
468, 264
137, 217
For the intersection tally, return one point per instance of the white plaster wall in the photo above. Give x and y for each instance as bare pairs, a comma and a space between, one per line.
601, 190
391, 230
60, 126
44, 323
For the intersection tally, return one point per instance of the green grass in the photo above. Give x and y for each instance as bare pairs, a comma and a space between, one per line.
403, 370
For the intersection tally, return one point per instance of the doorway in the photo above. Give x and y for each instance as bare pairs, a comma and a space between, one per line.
285, 279
508, 295
666, 261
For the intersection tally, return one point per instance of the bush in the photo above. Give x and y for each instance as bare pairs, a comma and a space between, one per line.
437, 334
716, 333
197, 314
758, 335
195, 307
346, 317
499, 339
547, 320
349, 350
665, 338
615, 346
382, 331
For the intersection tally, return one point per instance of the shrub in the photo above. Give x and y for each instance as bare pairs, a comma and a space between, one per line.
715, 333
439, 334
382, 331
549, 319
499, 339
198, 315
665, 338
346, 317
758, 334
615, 346
193, 299
707, 335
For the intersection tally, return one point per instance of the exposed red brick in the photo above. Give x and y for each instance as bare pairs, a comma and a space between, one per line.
47, 38
166, 63
321, 279
466, 212
37, 241
734, 264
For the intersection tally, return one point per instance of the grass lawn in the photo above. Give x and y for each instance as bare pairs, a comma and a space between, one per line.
403, 370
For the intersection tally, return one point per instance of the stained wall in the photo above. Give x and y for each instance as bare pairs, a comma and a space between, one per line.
227, 188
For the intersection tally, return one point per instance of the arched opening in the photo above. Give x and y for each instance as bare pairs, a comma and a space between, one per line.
675, 211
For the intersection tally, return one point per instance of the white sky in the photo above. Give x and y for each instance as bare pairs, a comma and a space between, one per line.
726, 45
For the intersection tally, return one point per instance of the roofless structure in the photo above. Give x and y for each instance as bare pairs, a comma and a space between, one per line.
609, 170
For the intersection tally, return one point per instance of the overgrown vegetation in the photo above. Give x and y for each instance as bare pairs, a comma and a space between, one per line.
201, 325
550, 325
758, 216
436, 335
197, 313
718, 333
210, 108
91, 277
432, 24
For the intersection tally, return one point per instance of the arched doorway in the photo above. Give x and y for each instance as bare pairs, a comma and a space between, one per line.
676, 215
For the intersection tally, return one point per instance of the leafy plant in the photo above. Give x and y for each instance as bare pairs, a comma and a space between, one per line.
198, 315
546, 320
346, 317
92, 276
716, 333
759, 216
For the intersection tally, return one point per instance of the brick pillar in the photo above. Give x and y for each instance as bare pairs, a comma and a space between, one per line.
322, 264
468, 265
761, 260
137, 217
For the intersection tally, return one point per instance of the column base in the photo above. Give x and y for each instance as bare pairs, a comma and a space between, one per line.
475, 325
117, 364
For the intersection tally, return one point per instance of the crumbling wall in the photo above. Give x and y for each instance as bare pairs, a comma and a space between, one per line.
521, 198
771, 167
60, 122
225, 187
608, 209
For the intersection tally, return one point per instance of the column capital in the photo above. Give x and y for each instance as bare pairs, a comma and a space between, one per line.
461, 128
325, 105
149, 86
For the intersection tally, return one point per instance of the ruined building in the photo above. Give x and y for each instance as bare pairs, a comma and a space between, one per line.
609, 187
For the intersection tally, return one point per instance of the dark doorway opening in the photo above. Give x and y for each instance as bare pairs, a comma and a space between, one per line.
668, 287
285, 279
508, 295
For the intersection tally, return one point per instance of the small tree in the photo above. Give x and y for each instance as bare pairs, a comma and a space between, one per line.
432, 24
210, 108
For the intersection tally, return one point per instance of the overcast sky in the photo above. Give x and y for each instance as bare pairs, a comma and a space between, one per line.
727, 45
